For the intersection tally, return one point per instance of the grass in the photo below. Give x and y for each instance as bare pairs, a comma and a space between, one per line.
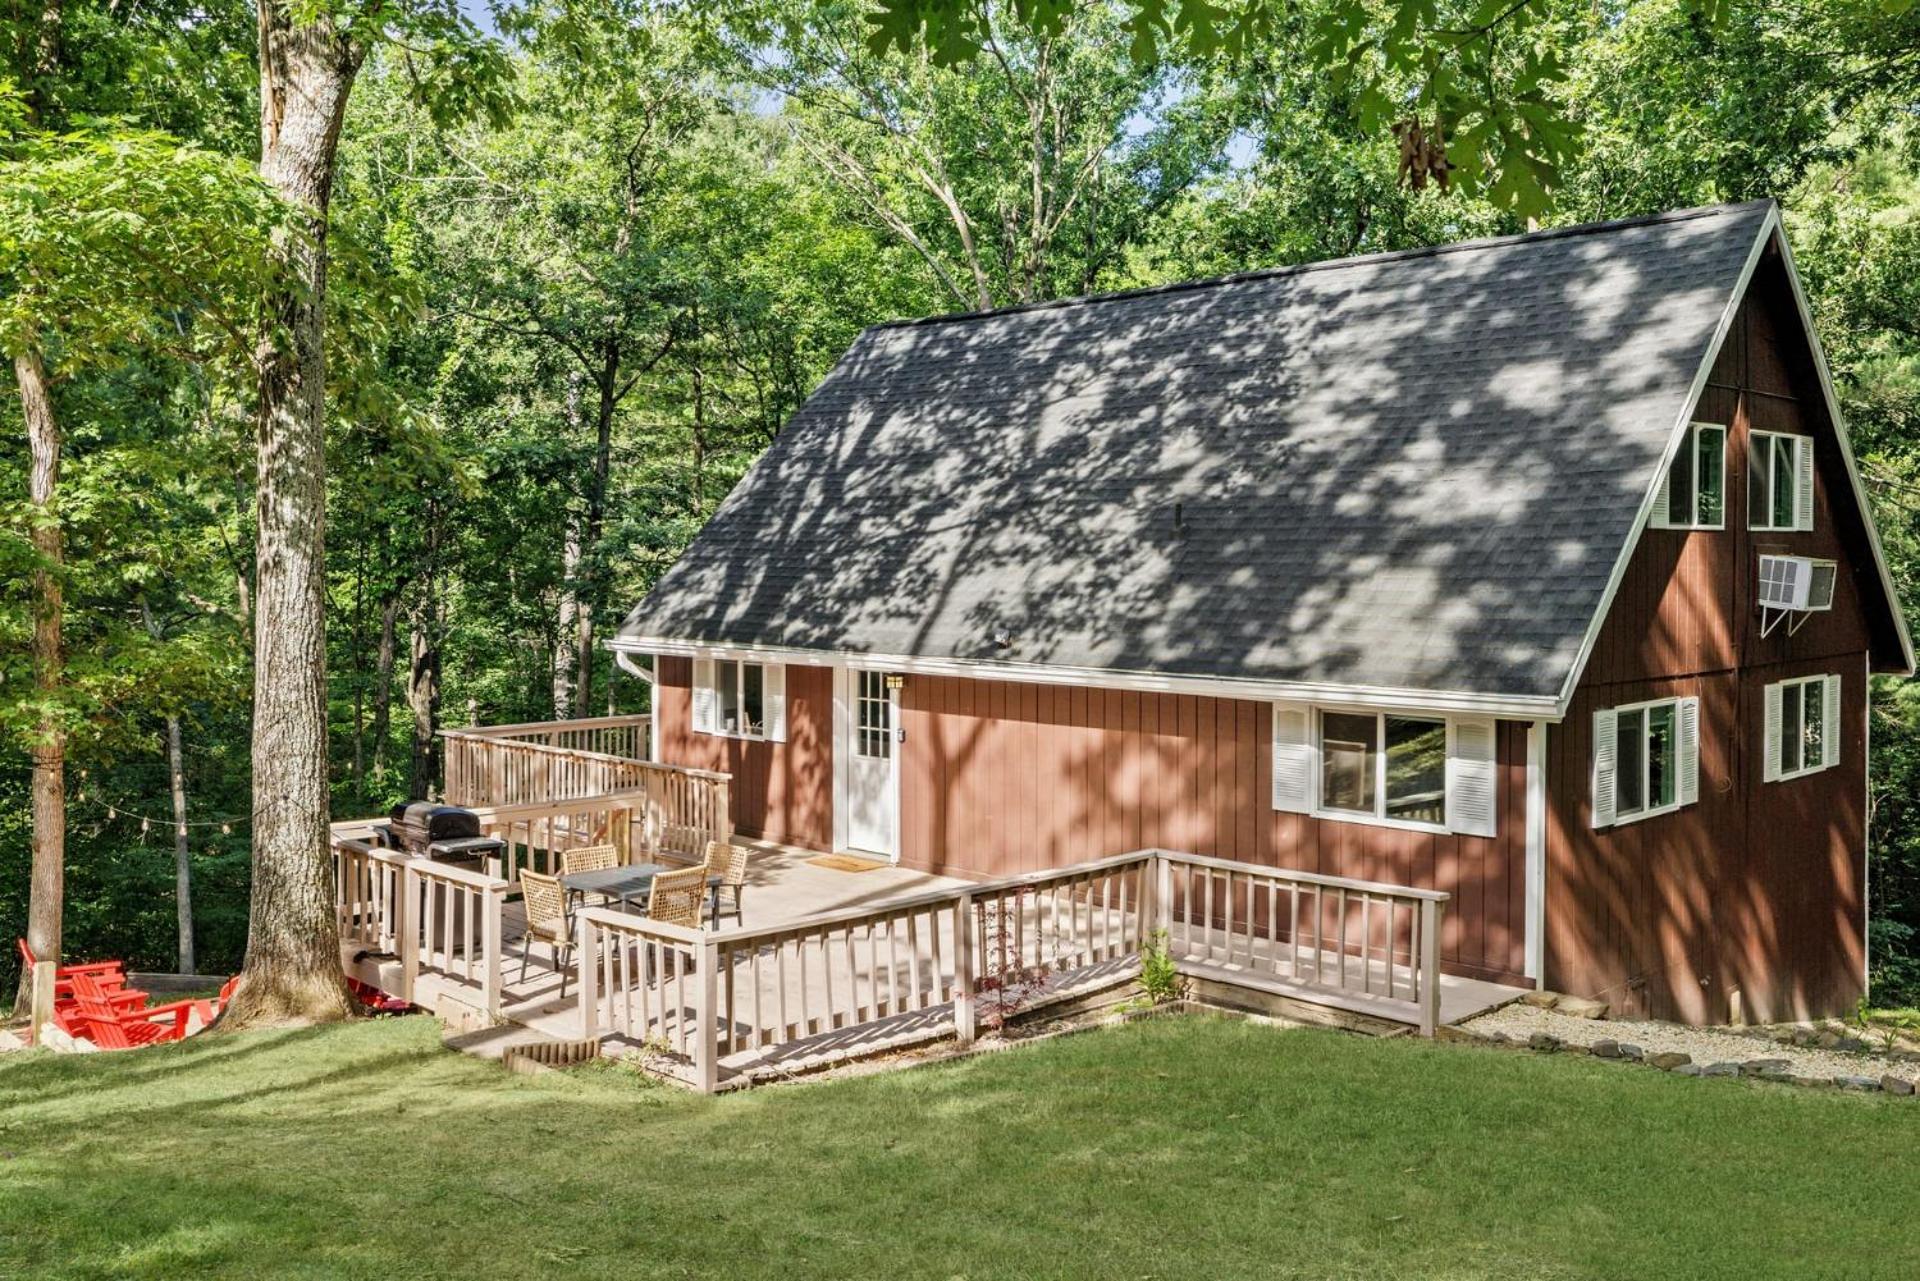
1171, 1148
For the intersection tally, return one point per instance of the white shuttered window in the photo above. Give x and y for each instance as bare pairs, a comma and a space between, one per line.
1801, 727
737, 699
1646, 759
1431, 773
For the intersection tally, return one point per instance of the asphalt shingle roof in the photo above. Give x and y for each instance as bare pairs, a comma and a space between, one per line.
1408, 471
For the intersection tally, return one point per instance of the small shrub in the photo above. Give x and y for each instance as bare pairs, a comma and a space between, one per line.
1160, 979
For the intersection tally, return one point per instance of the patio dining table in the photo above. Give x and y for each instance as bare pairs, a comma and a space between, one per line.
624, 885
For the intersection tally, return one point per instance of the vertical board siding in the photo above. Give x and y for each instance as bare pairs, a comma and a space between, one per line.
1756, 888
1038, 776
781, 791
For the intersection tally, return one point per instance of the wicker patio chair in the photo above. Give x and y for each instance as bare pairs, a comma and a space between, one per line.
588, 858
676, 900
728, 862
677, 896
546, 905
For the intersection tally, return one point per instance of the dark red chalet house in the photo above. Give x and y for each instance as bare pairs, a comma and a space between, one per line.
1536, 570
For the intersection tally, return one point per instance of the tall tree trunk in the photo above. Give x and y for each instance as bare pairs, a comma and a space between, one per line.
565, 651
423, 697
596, 522
566, 639
46, 884
292, 973
423, 678
383, 675
360, 676
182, 855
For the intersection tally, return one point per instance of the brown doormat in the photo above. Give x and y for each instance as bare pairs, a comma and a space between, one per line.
844, 863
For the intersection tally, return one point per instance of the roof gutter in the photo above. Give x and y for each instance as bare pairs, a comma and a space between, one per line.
1509, 706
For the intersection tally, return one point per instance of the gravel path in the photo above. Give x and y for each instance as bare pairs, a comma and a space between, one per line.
1705, 1045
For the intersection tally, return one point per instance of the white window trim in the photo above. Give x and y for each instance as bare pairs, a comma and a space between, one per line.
1680, 800
1818, 682
1661, 506
1316, 809
1799, 452
767, 695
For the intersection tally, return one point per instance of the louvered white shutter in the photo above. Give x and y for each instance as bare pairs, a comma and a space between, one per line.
1687, 751
1473, 773
1293, 757
775, 687
703, 699
1803, 482
1605, 758
1770, 747
1663, 497
1830, 724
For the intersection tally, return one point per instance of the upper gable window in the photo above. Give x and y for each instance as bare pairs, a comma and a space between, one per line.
1693, 495
1779, 481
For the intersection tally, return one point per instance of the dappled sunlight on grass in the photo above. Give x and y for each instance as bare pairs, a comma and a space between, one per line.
1175, 1147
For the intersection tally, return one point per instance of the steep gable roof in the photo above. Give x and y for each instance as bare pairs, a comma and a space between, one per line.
1408, 472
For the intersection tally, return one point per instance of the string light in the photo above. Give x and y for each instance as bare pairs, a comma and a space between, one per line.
180, 828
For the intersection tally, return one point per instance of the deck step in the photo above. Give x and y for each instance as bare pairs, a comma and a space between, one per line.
496, 1042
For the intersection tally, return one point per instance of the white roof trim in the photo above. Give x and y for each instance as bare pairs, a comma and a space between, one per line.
1846, 449
1512, 707
1769, 230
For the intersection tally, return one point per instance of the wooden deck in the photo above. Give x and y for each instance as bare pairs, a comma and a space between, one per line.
888, 983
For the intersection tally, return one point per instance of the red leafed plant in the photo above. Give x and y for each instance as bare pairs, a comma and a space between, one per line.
1007, 983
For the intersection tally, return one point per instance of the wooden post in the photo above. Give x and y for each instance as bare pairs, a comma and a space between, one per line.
407, 929
490, 942
620, 832
587, 958
1163, 896
42, 998
1430, 912
706, 1050
963, 1013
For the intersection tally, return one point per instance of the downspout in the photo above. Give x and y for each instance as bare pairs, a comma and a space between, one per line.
625, 662
1536, 847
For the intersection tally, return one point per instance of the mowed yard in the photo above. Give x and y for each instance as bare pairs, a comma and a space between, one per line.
1181, 1147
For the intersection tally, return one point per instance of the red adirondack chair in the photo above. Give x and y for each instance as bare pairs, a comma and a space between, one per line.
97, 1018
112, 974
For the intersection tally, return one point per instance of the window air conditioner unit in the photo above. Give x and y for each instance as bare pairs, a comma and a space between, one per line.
1785, 582
1795, 584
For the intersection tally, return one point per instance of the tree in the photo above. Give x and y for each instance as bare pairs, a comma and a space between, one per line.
102, 236
1023, 173
309, 57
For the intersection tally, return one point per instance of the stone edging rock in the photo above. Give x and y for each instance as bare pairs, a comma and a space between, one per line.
1774, 1070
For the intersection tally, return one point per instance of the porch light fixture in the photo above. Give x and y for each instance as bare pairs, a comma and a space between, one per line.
896, 681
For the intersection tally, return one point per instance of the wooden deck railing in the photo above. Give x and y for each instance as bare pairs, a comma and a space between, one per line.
711, 994
673, 812
545, 761
1364, 942
427, 915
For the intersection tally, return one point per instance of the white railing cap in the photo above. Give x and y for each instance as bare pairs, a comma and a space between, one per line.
1381, 888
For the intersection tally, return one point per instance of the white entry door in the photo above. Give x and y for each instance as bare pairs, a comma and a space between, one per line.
870, 789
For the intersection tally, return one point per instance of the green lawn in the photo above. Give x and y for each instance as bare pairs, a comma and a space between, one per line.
1190, 1147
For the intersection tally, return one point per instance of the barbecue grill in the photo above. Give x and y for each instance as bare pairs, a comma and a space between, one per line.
444, 833
451, 835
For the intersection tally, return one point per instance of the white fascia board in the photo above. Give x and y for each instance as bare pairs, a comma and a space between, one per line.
1510, 707
1679, 433
1846, 448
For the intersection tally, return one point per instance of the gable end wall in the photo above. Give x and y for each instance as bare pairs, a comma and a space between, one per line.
1756, 892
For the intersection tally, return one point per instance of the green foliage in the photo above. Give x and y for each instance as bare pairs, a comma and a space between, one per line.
1160, 978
